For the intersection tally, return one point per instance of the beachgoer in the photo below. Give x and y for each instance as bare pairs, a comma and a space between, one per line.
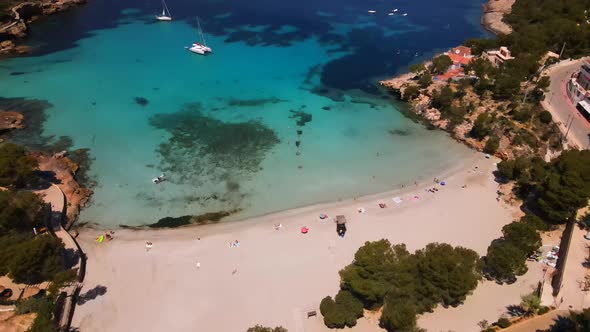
234, 271
198, 265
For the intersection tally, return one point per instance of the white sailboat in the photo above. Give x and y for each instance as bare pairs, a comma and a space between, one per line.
200, 48
165, 16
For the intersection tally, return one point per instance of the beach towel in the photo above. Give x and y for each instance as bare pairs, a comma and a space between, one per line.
397, 200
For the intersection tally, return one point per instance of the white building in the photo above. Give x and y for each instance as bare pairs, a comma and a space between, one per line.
578, 88
497, 57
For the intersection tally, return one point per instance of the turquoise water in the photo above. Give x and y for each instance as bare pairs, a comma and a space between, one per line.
265, 123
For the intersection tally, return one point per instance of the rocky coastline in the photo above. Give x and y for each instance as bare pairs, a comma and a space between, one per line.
421, 106
64, 171
10, 121
507, 131
62, 167
493, 15
15, 26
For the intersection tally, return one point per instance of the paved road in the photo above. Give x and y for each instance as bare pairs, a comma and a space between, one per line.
539, 323
571, 295
557, 102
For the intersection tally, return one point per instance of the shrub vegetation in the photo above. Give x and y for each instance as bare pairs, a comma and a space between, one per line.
404, 284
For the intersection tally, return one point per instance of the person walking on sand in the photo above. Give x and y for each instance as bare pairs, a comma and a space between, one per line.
198, 265
234, 271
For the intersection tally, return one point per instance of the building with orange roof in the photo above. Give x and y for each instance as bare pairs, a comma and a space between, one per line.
461, 56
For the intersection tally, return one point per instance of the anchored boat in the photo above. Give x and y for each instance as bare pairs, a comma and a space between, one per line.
200, 48
165, 16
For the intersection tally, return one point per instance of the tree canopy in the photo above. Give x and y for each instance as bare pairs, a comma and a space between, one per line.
342, 311
37, 260
553, 192
441, 63
19, 211
405, 284
16, 166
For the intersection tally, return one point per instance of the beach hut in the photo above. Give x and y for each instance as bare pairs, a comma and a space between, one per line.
340, 221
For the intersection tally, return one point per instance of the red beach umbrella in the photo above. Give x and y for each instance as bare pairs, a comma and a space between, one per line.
304, 229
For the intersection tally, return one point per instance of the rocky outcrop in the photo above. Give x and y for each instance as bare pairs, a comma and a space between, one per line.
10, 121
421, 106
28, 11
64, 170
24, 13
493, 15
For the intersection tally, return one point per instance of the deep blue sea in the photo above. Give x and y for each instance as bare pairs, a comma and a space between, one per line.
286, 111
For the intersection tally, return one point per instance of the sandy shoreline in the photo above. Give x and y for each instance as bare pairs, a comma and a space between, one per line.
423, 181
279, 275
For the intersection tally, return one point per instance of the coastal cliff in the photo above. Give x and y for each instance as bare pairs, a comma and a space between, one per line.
14, 20
64, 169
493, 15
476, 115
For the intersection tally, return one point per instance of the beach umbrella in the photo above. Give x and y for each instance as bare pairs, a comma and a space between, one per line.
340, 220
100, 239
304, 229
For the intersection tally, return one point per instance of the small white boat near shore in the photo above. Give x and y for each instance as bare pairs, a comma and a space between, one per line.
165, 16
159, 179
371, 11
405, 14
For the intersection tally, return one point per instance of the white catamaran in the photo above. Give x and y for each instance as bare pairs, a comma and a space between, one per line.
200, 48
165, 16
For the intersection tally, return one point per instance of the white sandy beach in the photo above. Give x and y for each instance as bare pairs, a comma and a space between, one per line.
280, 275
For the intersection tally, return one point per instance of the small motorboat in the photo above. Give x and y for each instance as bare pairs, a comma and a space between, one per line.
390, 14
159, 179
371, 11
405, 14
395, 10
